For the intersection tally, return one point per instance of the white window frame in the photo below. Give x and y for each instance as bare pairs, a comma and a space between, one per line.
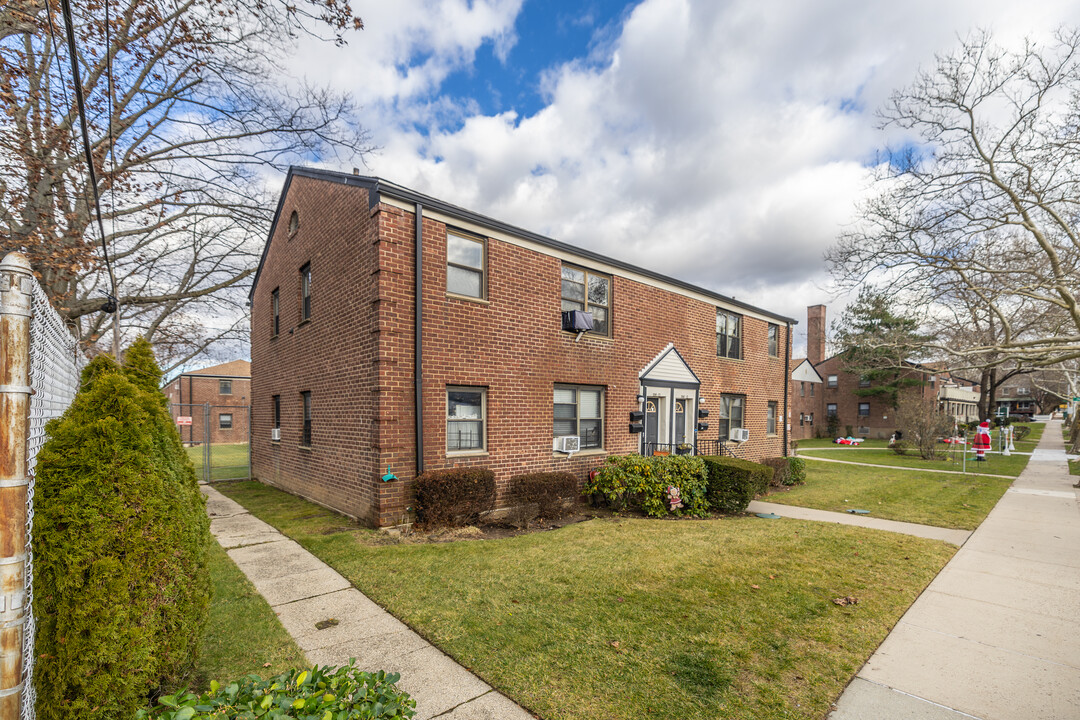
222, 384
577, 416
221, 417
482, 270
483, 419
773, 410
832, 381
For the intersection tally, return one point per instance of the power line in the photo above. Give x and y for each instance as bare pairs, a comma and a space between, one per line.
113, 303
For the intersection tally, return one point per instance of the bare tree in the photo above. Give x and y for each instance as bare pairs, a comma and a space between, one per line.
922, 423
983, 204
189, 113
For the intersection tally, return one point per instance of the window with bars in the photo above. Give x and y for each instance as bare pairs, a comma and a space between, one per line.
305, 400
466, 414
225, 421
579, 410
728, 335
589, 291
465, 264
305, 292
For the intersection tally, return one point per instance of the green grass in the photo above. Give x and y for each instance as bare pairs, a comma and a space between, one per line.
811, 443
995, 464
626, 618
1074, 467
950, 501
242, 634
227, 461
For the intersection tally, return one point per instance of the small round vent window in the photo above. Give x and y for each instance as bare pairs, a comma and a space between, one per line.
294, 223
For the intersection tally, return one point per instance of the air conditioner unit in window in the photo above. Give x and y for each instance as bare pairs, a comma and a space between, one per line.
739, 435
577, 321
275, 433
568, 443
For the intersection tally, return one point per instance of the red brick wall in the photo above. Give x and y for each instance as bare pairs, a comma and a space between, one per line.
332, 355
356, 356
805, 404
188, 392
513, 345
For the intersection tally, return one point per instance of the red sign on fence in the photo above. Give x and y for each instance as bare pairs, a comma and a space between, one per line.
183, 420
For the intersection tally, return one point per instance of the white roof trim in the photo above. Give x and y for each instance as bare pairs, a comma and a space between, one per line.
662, 353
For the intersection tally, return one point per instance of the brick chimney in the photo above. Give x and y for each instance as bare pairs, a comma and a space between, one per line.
815, 333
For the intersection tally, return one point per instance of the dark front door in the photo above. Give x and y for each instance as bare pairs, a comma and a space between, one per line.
680, 421
652, 419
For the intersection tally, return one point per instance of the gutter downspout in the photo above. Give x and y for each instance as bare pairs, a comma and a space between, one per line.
787, 379
418, 345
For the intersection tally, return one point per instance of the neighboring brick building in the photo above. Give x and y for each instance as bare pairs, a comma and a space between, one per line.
223, 391
866, 416
333, 350
1016, 396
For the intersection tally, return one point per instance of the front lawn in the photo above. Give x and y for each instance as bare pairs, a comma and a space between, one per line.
629, 618
811, 443
996, 464
243, 635
942, 500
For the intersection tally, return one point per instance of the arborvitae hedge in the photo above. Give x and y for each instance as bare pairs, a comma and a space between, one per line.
120, 530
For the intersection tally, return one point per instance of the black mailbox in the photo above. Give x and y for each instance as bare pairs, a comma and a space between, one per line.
702, 426
636, 428
636, 416
702, 413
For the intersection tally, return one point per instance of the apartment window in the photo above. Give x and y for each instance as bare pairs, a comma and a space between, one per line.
466, 413
294, 223
864, 409
864, 382
464, 265
589, 291
224, 387
579, 410
831, 382
811, 389
305, 437
774, 340
728, 332
305, 292
277, 411
1023, 391
830, 409
802, 389
275, 306
770, 419
225, 421
730, 414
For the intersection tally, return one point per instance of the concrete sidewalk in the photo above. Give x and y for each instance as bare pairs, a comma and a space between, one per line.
953, 537
996, 636
304, 591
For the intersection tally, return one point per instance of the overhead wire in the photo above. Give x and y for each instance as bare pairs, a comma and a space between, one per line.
113, 304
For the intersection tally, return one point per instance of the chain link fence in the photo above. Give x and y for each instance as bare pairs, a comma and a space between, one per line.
56, 364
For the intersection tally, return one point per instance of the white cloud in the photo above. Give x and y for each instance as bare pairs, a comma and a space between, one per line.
720, 142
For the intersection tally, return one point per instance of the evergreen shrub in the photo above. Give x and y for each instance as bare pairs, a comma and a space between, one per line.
796, 471
343, 693
455, 496
643, 482
120, 532
549, 491
733, 483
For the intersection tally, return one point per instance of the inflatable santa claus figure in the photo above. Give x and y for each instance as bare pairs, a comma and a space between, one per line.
982, 440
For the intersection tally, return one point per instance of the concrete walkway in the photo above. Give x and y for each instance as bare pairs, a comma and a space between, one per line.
911, 469
303, 591
996, 636
954, 537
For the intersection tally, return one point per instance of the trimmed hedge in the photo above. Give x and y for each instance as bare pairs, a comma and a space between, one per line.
733, 483
643, 483
547, 490
455, 496
343, 693
120, 535
786, 470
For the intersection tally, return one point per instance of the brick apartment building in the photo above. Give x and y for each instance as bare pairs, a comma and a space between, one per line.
835, 391
223, 391
334, 350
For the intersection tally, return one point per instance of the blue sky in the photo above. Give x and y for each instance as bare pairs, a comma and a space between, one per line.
723, 142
